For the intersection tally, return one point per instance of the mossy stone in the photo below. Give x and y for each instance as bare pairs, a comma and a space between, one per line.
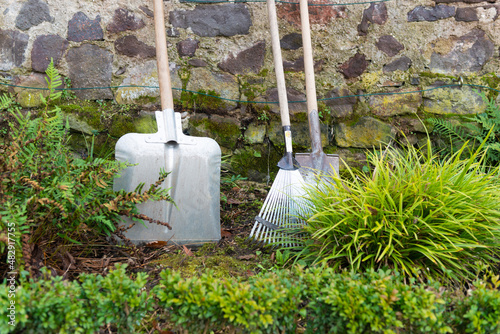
225, 130
121, 125
257, 162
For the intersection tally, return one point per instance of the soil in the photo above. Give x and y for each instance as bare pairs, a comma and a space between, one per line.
234, 255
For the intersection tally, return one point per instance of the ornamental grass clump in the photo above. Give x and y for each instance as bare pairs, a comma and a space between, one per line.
413, 213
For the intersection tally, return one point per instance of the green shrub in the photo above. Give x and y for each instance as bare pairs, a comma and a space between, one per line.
479, 312
413, 213
265, 304
48, 193
317, 300
375, 302
57, 306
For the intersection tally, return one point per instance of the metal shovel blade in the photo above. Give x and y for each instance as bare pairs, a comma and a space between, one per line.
318, 165
194, 164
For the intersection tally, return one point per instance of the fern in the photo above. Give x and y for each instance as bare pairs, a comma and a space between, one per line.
488, 121
50, 195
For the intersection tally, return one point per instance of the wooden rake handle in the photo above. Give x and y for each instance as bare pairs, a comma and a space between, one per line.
278, 63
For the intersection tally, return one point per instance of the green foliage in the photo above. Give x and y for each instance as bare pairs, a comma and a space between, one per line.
413, 213
317, 300
264, 304
67, 93
489, 120
57, 306
263, 117
202, 100
374, 302
48, 193
480, 312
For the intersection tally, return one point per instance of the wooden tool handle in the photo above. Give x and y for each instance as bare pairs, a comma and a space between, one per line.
167, 101
278, 63
312, 103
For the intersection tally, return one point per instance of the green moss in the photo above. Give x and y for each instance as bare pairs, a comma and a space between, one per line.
121, 125
202, 100
222, 265
492, 80
225, 133
145, 124
264, 72
256, 161
251, 87
299, 117
146, 100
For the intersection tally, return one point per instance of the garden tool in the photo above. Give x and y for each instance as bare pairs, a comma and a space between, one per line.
194, 165
283, 203
316, 163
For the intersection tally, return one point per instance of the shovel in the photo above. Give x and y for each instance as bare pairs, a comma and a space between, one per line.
194, 165
316, 163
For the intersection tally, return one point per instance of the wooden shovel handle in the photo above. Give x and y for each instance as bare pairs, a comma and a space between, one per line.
312, 103
167, 101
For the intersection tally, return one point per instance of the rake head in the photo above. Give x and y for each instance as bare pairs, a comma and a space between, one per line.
282, 207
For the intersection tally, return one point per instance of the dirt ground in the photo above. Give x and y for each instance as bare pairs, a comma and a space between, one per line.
233, 255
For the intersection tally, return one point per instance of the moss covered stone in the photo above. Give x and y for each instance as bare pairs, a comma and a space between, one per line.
225, 130
222, 265
300, 135
453, 100
368, 132
257, 162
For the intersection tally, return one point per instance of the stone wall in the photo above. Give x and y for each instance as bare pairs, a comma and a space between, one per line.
407, 48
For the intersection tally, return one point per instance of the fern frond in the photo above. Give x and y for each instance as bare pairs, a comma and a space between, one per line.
445, 128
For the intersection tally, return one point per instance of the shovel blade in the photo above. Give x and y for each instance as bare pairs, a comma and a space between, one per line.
319, 165
193, 183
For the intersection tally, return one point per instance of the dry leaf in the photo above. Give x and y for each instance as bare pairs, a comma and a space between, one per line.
246, 257
156, 244
187, 251
233, 201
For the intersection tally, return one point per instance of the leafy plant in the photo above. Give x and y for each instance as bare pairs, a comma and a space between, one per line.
80, 306
312, 300
48, 194
67, 93
264, 117
458, 134
413, 213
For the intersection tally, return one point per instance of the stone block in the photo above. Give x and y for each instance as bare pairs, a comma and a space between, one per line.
428, 13
255, 133
400, 103
341, 106
214, 20
368, 132
389, 45
375, 14
45, 48
247, 61
402, 64
453, 100
132, 47
90, 66
81, 28
467, 53
33, 13
145, 74
124, 20
224, 84
354, 67
13, 45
